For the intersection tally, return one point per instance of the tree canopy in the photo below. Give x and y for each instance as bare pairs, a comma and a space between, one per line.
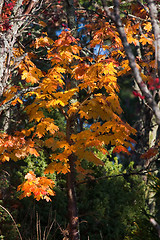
63, 70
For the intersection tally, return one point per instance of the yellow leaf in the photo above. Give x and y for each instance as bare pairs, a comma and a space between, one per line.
50, 168
89, 156
30, 175
32, 75
14, 102
43, 42
57, 167
50, 142
43, 24
34, 152
146, 40
52, 128
148, 26
41, 129
5, 158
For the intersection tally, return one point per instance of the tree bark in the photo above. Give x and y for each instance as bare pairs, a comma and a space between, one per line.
8, 39
156, 31
72, 202
70, 129
17, 21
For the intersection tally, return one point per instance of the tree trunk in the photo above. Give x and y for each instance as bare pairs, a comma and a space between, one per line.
72, 203
70, 129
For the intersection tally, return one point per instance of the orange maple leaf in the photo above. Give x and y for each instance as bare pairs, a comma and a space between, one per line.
39, 187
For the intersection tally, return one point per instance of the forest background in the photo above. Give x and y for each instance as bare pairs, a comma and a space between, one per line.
79, 114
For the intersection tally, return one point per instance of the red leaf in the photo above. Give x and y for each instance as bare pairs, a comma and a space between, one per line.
135, 93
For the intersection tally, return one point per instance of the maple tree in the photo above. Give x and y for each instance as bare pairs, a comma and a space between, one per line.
73, 145
80, 85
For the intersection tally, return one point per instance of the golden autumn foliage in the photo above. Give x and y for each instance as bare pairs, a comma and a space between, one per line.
57, 91
60, 88
16, 147
97, 74
40, 187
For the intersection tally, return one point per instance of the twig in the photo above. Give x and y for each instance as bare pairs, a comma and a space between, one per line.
156, 225
140, 172
49, 229
6, 105
12, 220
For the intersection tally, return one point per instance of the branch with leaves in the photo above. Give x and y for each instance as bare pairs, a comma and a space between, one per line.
115, 17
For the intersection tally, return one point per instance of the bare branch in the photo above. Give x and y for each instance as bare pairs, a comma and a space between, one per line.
156, 30
108, 12
140, 172
142, 5
71, 16
156, 225
1, 6
12, 220
30, 6
17, 6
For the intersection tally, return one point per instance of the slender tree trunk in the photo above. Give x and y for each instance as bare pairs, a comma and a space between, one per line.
72, 203
17, 22
72, 128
